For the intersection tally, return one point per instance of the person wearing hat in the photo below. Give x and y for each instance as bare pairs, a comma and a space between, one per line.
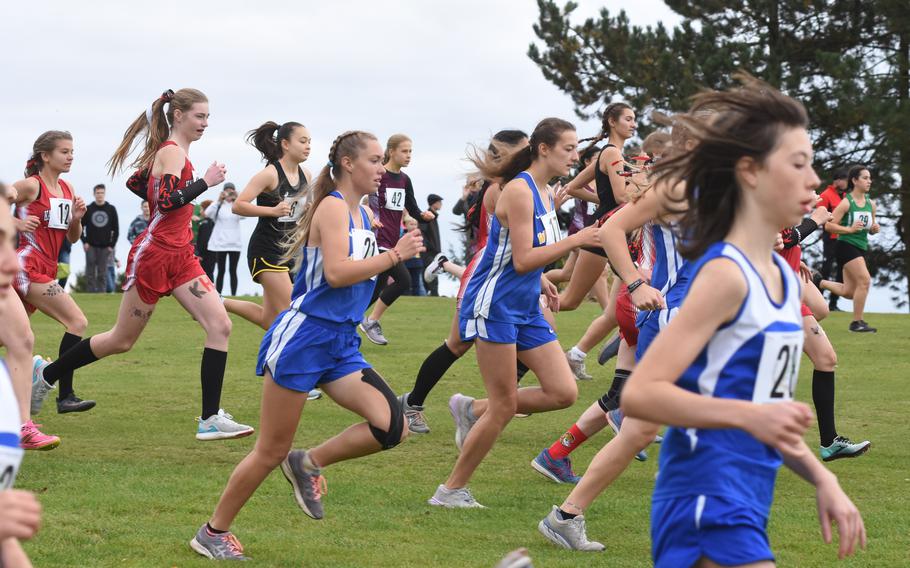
830, 198
226, 240
431, 240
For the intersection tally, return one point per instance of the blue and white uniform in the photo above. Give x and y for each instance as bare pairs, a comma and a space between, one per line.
10, 451
669, 275
715, 486
315, 340
500, 305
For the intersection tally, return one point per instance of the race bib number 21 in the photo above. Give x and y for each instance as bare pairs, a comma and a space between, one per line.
778, 369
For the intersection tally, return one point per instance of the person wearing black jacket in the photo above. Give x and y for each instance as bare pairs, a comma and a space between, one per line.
207, 258
431, 240
99, 235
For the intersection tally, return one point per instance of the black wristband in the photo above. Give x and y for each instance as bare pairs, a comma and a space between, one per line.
635, 285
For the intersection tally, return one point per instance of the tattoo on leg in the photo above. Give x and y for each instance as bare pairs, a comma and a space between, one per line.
206, 283
815, 330
144, 316
53, 290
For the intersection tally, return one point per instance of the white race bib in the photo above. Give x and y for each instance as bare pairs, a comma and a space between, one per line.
592, 207
61, 212
394, 199
296, 212
864, 216
363, 244
10, 458
778, 369
551, 227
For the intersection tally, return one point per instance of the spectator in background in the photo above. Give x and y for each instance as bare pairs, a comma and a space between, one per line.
414, 265
830, 198
226, 239
112, 267
139, 224
431, 241
469, 193
206, 257
100, 230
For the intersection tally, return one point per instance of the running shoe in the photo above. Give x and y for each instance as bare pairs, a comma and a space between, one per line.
578, 367
217, 546
72, 403
559, 471
860, 326
615, 418
40, 388
567, 533
221, 426
31, 438
610, 349
460, 407
519, 558
309, 485
417, 422
842, 447
314, 394
373, 331
454, 499
434, 268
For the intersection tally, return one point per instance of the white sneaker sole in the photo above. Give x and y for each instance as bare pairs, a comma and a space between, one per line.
209, 436
544, 472
558, 540
194, 544
437, 503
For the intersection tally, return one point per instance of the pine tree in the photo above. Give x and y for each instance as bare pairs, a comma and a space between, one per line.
847, 61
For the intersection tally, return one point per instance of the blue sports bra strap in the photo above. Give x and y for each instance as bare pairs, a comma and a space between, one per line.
365, 217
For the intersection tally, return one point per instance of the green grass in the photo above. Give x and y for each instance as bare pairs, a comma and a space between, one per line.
129, 484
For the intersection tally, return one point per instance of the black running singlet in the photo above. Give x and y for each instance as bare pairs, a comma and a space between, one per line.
270, 231
604, 189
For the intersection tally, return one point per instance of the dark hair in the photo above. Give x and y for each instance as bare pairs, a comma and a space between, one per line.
589, 153
154, 125
613, 111
841, 173
267, 138
98, 186
500, 146
749, 122
46, 143
546, 132
853, 173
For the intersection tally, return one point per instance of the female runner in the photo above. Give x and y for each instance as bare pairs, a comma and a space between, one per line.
437, 363
316, 342
853, 244
724, 370
51, 213
161, 261
501, 306
395, 195
279, 190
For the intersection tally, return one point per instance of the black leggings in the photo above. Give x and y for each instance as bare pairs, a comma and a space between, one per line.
223, 256
401, 284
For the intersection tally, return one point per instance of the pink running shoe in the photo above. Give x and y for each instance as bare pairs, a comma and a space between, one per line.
34, 439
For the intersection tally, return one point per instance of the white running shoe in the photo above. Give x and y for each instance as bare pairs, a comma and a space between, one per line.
568, 533
578, 367
221, 426
460, 407
40, 388
454, 499
314, 394
436, 267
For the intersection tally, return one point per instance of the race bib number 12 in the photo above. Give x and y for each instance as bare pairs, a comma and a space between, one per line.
61, 212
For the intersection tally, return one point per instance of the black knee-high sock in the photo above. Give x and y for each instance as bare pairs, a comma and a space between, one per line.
522, 370
76, 357
615, 392
823, 397
213, 364
434, 367
66, 379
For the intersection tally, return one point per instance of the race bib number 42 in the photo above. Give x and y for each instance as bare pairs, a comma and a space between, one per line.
394, 198
778, 368
61, 212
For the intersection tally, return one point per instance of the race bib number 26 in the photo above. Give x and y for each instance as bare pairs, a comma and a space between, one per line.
778, 369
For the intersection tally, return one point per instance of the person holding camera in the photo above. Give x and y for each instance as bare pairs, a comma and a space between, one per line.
226, 240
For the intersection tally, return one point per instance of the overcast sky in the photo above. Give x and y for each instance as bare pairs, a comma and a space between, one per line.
446, 73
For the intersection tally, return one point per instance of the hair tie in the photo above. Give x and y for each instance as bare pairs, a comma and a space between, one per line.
330, 164
167, 95
32, 162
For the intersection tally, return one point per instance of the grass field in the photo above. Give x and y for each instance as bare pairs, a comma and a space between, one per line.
129, 484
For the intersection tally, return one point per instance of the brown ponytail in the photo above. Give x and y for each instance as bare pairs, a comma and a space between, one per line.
46, 143
155, 126
267, 138
491, 168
